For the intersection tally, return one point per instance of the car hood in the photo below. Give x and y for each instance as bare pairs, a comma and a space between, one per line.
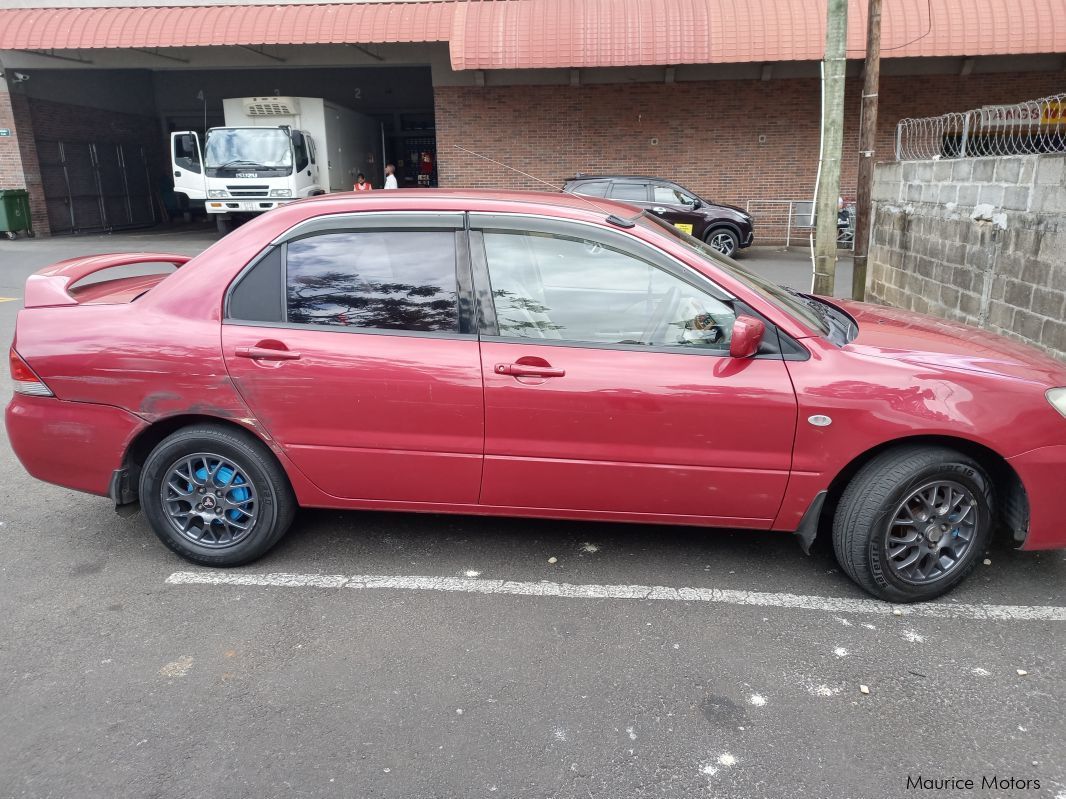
931, 342
733, 208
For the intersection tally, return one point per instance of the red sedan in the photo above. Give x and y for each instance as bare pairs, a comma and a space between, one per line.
528, 354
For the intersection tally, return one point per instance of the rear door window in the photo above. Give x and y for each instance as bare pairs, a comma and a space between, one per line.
633, 192
386, 280
594, 188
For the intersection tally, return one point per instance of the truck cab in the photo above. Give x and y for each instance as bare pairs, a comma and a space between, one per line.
272, 150
243, 171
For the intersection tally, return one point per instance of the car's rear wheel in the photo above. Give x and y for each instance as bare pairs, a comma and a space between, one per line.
724, 240
216, 496
913, 522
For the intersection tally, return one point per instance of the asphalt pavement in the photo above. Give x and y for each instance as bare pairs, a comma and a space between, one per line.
402, 655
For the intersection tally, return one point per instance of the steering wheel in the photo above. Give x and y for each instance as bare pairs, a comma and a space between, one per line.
658, 322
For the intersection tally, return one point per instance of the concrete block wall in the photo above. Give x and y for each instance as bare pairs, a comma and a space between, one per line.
977, 240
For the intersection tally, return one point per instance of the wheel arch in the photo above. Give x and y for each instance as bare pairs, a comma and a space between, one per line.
146, 440
719, 224
1012, 502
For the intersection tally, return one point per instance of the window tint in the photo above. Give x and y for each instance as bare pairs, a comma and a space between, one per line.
630, 191
553, 287
396, 280
299, 147
668, 194
258, 296
594, 188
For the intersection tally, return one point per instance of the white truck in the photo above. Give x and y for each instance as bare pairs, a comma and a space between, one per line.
272, 150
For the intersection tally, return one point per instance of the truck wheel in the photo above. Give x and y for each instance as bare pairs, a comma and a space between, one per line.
225, 224
913, 522
216, 496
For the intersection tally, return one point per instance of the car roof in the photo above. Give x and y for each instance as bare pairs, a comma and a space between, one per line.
477, 199
622, 177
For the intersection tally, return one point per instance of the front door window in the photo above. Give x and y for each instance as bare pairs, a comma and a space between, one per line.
572, 289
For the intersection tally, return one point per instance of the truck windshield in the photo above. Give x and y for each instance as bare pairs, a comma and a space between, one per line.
268, 148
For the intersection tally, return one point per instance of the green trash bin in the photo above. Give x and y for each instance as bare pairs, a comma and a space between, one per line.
14, 212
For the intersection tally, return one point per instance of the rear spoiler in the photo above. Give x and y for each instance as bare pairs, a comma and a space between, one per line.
51, 285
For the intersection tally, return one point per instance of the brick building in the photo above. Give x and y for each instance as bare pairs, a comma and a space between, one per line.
721, 95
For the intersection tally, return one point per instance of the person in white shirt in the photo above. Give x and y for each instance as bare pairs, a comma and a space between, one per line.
390, 177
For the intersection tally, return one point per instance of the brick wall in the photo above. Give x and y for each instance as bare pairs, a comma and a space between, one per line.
978, 240
18, 155
34, 120
707, 132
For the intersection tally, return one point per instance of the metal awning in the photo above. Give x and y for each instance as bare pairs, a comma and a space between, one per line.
538, 34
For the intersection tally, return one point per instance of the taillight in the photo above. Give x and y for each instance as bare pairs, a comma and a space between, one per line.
26, 381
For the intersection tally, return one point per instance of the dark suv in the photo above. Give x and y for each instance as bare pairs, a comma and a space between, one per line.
724, 227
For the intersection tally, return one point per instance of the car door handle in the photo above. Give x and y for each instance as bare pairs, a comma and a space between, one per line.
528, 370
266, 354
659, 209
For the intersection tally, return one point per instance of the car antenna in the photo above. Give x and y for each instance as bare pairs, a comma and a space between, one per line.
614, 219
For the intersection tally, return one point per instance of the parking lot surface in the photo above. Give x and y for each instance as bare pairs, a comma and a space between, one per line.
401, 655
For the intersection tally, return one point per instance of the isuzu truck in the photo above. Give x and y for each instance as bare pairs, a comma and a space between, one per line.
272, 150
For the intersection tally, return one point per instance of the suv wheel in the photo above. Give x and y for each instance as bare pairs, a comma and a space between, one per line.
724, 240
913, 522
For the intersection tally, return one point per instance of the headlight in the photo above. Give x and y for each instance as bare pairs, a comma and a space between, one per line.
1057, 398
218, 194
281, 192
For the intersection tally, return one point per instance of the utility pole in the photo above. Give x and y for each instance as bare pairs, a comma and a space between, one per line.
867, 142
834, 70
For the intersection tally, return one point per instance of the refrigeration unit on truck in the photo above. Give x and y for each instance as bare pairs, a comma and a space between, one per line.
272, 150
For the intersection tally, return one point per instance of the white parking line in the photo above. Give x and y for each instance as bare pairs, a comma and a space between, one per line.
942, 610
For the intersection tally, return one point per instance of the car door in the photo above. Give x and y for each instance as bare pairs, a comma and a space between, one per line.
678, 208
608, 383
353, 346
187, 164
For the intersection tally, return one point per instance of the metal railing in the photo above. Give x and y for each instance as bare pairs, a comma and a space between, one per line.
1030, 127
781, 221
791, 222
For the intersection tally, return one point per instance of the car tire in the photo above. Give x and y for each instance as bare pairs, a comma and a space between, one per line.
936, 496
216, 496
723, 240
224, 225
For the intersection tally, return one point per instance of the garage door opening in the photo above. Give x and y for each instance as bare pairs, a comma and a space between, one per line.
103, 136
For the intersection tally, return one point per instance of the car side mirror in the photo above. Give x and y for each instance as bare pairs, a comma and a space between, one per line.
747, 336
697, 204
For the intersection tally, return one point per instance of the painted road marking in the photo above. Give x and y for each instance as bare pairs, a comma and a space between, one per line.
9, 299
946, 610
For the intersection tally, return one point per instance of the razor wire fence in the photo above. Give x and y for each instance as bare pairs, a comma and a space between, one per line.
1027, 128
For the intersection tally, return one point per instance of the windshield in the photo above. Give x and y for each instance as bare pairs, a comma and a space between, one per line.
797, 304
268, 148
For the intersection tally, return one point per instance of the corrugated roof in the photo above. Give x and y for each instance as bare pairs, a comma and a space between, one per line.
521, 34
97, 28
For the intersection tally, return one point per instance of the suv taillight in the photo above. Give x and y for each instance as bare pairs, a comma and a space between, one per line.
26, 381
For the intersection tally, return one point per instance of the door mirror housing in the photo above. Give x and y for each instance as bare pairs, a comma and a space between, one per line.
697, 203
747, 336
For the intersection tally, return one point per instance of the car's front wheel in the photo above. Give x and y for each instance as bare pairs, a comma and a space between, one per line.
913, 522
216, 496
724, 240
